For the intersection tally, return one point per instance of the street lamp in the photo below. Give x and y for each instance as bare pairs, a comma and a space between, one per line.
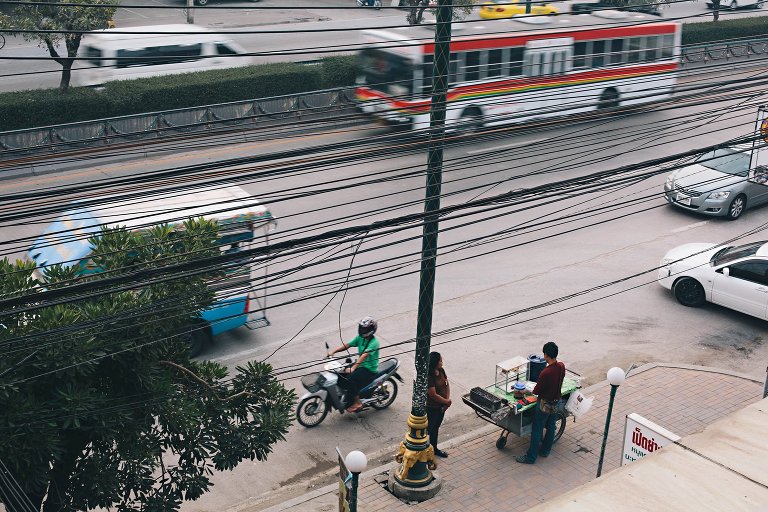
616, 378
355, 462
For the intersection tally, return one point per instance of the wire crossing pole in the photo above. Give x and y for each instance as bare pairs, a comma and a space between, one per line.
416, 456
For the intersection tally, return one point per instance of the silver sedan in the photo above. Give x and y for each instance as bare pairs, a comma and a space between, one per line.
717, 183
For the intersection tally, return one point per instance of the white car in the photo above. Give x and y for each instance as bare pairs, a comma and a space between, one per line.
732, 276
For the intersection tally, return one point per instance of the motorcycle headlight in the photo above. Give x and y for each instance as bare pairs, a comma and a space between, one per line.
720, 194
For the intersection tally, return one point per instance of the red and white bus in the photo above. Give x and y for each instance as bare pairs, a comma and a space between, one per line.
522, 68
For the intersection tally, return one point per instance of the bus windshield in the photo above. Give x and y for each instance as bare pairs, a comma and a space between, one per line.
387, 72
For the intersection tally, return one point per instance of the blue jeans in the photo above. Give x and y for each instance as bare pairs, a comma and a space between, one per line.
541, 420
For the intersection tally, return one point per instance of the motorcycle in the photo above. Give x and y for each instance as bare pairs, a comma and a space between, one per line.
376, 4
324, 391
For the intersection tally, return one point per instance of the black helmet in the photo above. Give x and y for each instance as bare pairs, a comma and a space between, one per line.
367, 327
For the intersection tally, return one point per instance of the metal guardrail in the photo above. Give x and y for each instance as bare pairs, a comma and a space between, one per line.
703, 53
156, 125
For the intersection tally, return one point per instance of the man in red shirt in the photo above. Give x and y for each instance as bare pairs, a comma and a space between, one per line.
545, 414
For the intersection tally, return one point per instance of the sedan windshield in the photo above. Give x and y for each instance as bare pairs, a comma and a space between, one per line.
726, 161
734, 253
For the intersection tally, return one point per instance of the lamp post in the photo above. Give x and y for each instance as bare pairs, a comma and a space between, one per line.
616, 378
355, 462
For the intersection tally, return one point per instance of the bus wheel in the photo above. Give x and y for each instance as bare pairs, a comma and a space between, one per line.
471, 121
609, 99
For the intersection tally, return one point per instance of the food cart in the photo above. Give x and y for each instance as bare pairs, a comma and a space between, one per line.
513, 411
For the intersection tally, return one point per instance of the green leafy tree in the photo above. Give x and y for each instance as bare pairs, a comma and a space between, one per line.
102, 406
52, 25
416, 9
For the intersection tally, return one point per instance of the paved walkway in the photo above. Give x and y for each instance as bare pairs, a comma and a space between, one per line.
478, 478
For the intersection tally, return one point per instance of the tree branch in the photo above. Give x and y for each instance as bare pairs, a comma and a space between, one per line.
194, 376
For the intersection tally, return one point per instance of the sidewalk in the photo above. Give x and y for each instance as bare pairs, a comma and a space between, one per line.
478, 477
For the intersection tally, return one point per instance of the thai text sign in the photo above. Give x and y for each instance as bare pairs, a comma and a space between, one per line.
642, 437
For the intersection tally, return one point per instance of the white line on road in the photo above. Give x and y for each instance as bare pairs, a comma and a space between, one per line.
507, 146
690, 226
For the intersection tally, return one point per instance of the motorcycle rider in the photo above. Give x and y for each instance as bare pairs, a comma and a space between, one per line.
364, 370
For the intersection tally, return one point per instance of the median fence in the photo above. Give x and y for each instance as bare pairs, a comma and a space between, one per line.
261, 112
317, 105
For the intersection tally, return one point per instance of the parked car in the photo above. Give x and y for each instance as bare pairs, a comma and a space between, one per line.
732, 276
717, 183
738, 4
497, 9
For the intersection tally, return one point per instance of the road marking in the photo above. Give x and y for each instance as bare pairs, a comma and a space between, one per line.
507, 146
690, 226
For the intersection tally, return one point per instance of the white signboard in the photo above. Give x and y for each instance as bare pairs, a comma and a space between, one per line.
643, 437
758, 168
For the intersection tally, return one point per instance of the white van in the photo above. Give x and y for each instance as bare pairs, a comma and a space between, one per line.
140, 52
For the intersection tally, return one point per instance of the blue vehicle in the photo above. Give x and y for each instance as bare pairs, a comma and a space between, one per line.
243, 224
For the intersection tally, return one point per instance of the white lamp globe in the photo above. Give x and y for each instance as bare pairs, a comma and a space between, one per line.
356, 461
616, 376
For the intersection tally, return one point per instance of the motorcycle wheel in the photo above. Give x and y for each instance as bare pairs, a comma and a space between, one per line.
385, 394
311, 411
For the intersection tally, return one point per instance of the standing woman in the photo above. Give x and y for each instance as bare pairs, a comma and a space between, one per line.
438, 399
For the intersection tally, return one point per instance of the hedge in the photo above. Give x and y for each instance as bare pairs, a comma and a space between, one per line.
46, 107
27, 109
711, 31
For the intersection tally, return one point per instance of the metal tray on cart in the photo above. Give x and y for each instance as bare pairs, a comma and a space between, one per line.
517, 420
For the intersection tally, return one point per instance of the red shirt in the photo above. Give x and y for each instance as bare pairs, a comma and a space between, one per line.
550, 382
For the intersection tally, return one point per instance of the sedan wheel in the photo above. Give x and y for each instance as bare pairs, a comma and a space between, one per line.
737, 207
733, 5
689, 292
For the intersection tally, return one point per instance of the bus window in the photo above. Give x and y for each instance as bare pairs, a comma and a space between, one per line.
534, 64
667, 46
651, 48
616, 51
382, 69
494, 63
580, 55
453, 69
426, 72
633, 54
598, 54
515, 61
471, 66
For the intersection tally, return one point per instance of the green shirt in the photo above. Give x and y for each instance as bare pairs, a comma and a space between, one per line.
372, 347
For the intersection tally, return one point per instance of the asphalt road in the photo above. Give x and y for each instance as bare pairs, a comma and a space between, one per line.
295, 34
523, 280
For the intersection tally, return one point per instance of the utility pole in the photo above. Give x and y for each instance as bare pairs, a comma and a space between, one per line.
191, 12
413, 479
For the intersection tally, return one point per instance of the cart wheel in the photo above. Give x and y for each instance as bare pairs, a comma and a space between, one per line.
559, 426
501, 442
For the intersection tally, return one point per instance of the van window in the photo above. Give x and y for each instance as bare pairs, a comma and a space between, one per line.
223, 49
159, 55
93, 55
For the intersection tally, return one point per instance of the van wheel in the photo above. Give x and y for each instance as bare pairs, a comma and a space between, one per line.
609, 99
201, 2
